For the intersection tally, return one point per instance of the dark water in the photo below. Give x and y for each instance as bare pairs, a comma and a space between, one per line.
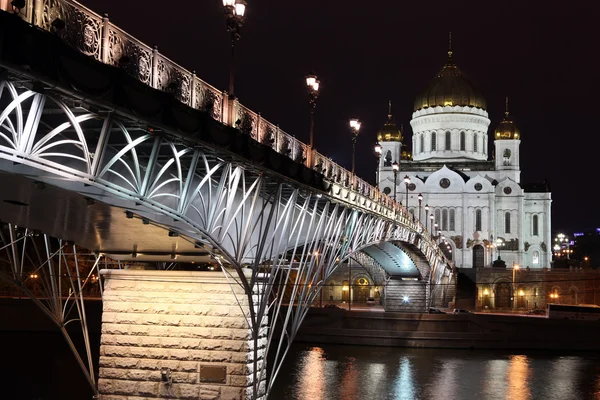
36, 366
332, 372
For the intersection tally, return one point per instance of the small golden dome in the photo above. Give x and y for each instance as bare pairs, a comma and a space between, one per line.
450, 88
507, 129
389, 132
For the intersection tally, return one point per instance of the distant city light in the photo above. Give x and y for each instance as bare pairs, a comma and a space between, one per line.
578, 234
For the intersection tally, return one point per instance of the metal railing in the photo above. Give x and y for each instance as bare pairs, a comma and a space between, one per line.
97, 37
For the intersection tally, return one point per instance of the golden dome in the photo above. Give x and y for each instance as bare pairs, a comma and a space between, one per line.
389, 132
450, 88
507, 129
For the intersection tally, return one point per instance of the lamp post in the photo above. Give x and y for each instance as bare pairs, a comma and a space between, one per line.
431, 225
354, 128
234, 11
395, 168
435, 231
426, 214
406, 183
312, 84
420, 198
515, 269
378, 151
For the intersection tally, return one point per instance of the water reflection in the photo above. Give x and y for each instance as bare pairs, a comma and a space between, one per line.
518, 378
336, 372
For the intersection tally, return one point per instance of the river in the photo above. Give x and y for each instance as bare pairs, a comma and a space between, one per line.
340, 372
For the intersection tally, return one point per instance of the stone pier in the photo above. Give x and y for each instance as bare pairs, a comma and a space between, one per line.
176, 335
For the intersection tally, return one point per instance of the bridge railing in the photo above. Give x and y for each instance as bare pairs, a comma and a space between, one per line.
97, 37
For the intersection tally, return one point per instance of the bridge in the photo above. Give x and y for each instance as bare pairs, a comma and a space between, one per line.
119, 166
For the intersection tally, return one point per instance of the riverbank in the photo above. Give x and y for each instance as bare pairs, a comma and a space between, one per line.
462, 331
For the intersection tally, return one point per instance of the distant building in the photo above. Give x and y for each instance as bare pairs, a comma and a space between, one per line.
479, 204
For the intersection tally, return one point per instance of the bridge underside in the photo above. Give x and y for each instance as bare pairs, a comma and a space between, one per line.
97, 226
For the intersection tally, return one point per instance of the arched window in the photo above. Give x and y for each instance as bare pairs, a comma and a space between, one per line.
536, 257
444, 219
452, 219
437, 218
422, 147
388, 159
475, 143
477, 220
535, 225
462, 141
448, 141
507, 222
433, 142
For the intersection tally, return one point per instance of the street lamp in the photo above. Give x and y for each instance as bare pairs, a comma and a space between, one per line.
515, 269
378, 152
406, 183
312, 84
395, 168
431, 225
420, 198
354, 128
426, 213
234, 11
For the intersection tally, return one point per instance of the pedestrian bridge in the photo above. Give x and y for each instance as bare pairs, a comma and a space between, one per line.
108, 145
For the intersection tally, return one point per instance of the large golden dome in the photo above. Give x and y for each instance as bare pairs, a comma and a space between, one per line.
507, 129
450, 88
389, 132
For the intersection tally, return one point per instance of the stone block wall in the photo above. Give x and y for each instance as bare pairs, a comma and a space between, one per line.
415, 292
187, 322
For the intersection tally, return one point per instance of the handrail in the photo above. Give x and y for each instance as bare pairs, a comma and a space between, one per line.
96, 36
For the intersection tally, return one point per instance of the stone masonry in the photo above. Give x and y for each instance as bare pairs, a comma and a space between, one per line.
186, 324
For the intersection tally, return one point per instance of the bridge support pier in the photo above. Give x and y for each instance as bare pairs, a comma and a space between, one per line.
176, 335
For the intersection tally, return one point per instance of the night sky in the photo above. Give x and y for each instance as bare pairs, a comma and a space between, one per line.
541, 54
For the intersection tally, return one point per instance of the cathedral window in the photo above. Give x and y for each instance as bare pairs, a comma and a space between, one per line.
433, 143
452, 219
448, 141
477, 220
422, 147
462, 140
507, 222
437, 217
535, 225
388, 159
536, 257
444, 219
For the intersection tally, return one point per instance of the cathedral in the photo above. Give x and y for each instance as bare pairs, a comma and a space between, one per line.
475, 204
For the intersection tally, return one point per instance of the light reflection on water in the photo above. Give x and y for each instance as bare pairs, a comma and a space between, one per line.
339, 372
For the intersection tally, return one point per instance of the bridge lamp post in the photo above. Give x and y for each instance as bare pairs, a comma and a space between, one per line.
406, 183
395, 168
234, 11
312, 84
354, 128
426, 215
431, 225
378, 152
420, 198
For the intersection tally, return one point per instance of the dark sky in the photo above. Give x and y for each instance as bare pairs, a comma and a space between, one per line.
542, 54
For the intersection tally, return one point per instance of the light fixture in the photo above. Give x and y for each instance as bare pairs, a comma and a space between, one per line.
129, 214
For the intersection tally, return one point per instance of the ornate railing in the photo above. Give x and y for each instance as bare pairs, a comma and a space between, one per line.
96, 36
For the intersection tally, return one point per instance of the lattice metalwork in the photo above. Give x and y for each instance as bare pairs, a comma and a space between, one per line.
58, 277
264, 230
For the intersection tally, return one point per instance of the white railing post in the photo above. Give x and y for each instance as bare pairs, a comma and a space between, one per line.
104, 41
193, 90
154, 77
38, 9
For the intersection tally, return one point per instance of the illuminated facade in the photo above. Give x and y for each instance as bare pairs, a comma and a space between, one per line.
480, 205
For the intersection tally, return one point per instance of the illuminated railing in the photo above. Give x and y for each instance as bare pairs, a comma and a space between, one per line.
97, 37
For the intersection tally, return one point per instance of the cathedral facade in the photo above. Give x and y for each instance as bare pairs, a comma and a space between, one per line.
475, 204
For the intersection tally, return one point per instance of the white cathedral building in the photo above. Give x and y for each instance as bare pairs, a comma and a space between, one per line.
482, 209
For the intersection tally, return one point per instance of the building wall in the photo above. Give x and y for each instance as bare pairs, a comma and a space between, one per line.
534, 287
